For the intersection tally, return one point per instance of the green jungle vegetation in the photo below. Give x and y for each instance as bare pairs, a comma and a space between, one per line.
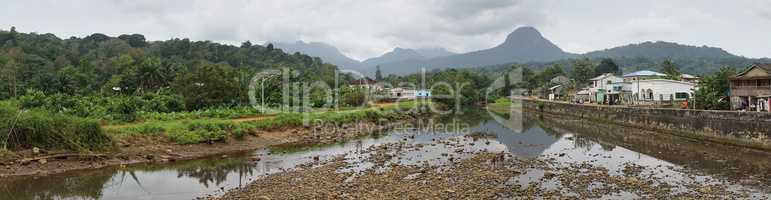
59, 93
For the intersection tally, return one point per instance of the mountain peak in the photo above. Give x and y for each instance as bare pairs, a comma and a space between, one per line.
524, 33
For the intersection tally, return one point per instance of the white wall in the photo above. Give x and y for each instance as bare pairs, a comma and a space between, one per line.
663, 87
603, 83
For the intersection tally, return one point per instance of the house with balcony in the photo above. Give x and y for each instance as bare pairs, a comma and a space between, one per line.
602, 86
751, 89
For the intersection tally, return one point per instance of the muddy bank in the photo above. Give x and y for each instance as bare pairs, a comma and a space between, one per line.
156, 149
473, 175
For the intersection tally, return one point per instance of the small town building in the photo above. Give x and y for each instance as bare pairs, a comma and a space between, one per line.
690, 78
643, 75
406, 93
560, 80
751, 89
422, 93
646, 85
556, 92
660, 90
601, 86
367, 83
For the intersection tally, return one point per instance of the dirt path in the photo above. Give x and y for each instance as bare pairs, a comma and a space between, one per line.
255, 118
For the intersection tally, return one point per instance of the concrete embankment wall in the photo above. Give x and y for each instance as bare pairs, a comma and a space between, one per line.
749, 129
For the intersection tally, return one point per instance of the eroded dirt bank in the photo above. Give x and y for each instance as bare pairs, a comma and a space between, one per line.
147, 149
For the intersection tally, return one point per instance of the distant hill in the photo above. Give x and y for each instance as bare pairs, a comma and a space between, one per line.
656, 50
396, 55
525, 44
327, 53
403, 54
429, 53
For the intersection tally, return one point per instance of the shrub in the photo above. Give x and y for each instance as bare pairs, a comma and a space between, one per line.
239, 133
163, 103
149, 129
32, 99
39, 128
125, 109
185, 137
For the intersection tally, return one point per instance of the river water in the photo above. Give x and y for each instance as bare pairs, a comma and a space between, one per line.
525, 135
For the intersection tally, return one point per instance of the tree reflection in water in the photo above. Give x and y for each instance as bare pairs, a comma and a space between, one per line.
91, 185
87, 186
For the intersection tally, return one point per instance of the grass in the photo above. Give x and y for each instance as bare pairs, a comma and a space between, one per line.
502, 105
184, 128
186, 131
43, 129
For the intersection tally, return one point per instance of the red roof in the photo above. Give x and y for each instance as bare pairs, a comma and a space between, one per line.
363, 81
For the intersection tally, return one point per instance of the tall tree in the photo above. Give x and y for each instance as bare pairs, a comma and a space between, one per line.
378, 74
529, 79
208, 85
549, 73
607, 65
11, 70
670, 69
713, 90
506, 84
150, 74
583, 70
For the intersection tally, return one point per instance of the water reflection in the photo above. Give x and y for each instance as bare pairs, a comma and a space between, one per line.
526, 135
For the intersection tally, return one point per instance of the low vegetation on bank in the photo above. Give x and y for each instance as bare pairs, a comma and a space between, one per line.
201, 129
21, 128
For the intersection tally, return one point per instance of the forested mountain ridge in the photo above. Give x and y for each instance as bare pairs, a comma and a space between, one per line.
524, 44
128, 64
328, 53
527, 46
661, 49
396, 55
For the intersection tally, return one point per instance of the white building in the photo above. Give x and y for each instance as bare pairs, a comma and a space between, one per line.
402, 93
422, 93
643, 75
651, 86
661, 89
601, 85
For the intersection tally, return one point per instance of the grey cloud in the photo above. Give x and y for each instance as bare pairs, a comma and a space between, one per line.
366, 28
456, 9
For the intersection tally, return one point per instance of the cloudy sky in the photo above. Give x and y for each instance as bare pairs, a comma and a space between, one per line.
364, 28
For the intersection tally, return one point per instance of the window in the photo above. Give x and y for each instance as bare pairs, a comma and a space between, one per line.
610, 82
681, 95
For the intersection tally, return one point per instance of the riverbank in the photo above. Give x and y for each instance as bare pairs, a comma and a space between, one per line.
746, 129
138, 148
742, 165
540, 160
474, 174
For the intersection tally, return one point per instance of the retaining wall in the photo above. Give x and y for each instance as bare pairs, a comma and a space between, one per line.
749, 129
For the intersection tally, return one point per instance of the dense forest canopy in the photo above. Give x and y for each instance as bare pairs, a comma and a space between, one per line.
130, 65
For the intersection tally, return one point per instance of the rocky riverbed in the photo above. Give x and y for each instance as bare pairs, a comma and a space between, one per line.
392, 171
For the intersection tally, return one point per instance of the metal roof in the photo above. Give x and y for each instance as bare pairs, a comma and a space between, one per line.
644, 73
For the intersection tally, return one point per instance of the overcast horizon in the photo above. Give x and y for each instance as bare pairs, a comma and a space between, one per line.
365, 29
